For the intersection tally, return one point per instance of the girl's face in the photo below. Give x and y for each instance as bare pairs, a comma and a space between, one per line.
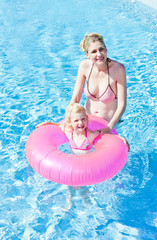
79, 121
97, 53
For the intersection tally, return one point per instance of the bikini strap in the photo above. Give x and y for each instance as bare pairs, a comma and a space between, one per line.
90, 73
108, 60
86, 132
72, 135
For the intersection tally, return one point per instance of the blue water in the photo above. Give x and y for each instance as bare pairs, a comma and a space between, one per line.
39, 59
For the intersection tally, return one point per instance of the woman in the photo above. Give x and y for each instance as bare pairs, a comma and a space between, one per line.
106, 82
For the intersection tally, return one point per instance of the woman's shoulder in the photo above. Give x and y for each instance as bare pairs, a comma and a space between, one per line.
86, 63
116, 65
85, 67
116, 68
117, 71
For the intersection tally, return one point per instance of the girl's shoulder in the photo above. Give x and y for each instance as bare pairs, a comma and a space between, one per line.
67, 131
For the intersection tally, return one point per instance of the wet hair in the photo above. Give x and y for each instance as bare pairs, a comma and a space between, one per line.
89, 39
72, 109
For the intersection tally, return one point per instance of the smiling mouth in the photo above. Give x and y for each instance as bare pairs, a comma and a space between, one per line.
81, 127
100, 59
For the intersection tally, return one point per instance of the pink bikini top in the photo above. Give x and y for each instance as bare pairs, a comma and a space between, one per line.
108, 94
86, 145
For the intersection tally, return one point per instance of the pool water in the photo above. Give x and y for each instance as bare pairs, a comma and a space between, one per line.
39, 59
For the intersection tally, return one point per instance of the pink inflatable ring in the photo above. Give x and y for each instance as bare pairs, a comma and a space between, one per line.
75, 170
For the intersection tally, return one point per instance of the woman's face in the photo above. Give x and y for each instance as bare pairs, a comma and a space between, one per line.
97, 53
79, 121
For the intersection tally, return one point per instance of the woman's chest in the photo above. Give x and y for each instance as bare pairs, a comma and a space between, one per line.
98, 85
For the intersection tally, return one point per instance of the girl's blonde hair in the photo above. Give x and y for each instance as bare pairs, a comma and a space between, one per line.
90, 38
72, 109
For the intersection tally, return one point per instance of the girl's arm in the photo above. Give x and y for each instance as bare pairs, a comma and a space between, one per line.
47, 123
62, 126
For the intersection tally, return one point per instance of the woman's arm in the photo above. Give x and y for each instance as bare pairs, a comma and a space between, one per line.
80, 81
103, 131
121, 97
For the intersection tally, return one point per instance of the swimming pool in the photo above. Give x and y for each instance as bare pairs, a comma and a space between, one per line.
39, 60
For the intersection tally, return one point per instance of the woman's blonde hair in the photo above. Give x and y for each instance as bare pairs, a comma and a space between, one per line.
90, 38
72, 109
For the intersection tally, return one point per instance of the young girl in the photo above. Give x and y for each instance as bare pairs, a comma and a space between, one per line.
75, 127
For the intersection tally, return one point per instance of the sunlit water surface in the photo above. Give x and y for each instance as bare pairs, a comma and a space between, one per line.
39, 59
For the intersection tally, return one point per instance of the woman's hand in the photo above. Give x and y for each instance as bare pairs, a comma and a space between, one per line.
108, 130
105, 130
125, 141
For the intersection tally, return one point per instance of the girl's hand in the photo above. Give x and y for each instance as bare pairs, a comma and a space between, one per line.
46, 123
62, 127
